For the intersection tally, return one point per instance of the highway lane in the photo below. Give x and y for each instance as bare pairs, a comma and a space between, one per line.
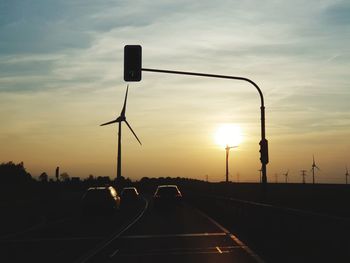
65, 240
177, 234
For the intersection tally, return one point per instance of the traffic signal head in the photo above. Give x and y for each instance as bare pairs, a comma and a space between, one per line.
264, 151
132, 62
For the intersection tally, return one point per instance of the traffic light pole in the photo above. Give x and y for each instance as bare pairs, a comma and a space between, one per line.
264, 158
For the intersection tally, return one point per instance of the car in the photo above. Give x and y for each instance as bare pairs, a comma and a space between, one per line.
167, 195
100, 200
129, 196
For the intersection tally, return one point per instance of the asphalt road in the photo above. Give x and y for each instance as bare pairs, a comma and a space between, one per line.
138, 234
175, 234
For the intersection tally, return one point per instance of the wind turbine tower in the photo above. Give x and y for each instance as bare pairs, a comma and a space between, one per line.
286, 175
227, 148
119, 120
313, 169
303, 174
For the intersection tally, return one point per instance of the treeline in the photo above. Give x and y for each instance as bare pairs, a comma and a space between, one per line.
12, 173
16, 174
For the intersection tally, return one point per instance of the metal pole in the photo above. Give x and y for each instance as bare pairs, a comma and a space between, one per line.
119, 157
263, 142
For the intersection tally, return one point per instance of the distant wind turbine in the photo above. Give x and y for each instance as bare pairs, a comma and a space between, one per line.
286, 175
346, 175
227, 148
303, 174
313, 166
119, 120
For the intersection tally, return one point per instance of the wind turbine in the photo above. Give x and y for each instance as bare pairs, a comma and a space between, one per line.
303, 174
227, 148
346, 175
119, 120
286, 175
313, 166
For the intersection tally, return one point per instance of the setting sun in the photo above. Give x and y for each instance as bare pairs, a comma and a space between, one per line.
228, 134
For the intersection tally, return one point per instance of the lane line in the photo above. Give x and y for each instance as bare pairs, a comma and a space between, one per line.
102, 246
233, 237
114, 253
173, 253
218, 249
173, 235
184, 249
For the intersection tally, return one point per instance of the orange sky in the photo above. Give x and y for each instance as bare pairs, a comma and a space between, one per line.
61, 77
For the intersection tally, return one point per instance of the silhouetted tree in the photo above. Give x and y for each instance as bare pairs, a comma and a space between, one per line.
43, 177
64, 177
12, 173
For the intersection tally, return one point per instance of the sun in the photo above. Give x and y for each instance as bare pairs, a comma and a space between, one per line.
228, 134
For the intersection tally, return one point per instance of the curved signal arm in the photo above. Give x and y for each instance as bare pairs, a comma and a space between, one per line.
264, 157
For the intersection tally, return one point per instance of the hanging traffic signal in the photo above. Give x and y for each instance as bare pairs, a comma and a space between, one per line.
132, 62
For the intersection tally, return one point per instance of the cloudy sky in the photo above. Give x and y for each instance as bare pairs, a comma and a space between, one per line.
61, 66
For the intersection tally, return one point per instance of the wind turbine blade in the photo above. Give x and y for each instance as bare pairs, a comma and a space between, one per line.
124, 106
110, 122
133, 132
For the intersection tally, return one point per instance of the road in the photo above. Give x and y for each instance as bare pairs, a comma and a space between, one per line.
175, 234
138, 234
64, 240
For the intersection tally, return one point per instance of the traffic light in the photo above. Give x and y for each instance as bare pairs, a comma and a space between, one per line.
132, 62
264, 151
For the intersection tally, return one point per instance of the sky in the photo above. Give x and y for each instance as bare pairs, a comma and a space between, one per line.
61, 76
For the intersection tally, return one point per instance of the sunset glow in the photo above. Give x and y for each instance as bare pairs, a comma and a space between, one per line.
228, 134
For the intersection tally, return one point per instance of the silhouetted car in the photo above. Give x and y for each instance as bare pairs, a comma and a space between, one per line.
129, 196
100, 200
167, 195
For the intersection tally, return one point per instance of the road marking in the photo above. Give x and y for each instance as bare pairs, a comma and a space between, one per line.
175, 253
114, 253
100, 247
233, 237
218, 249
173, 235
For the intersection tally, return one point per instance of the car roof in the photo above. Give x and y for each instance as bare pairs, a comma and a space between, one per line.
129, 188
167, 185
98, 188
